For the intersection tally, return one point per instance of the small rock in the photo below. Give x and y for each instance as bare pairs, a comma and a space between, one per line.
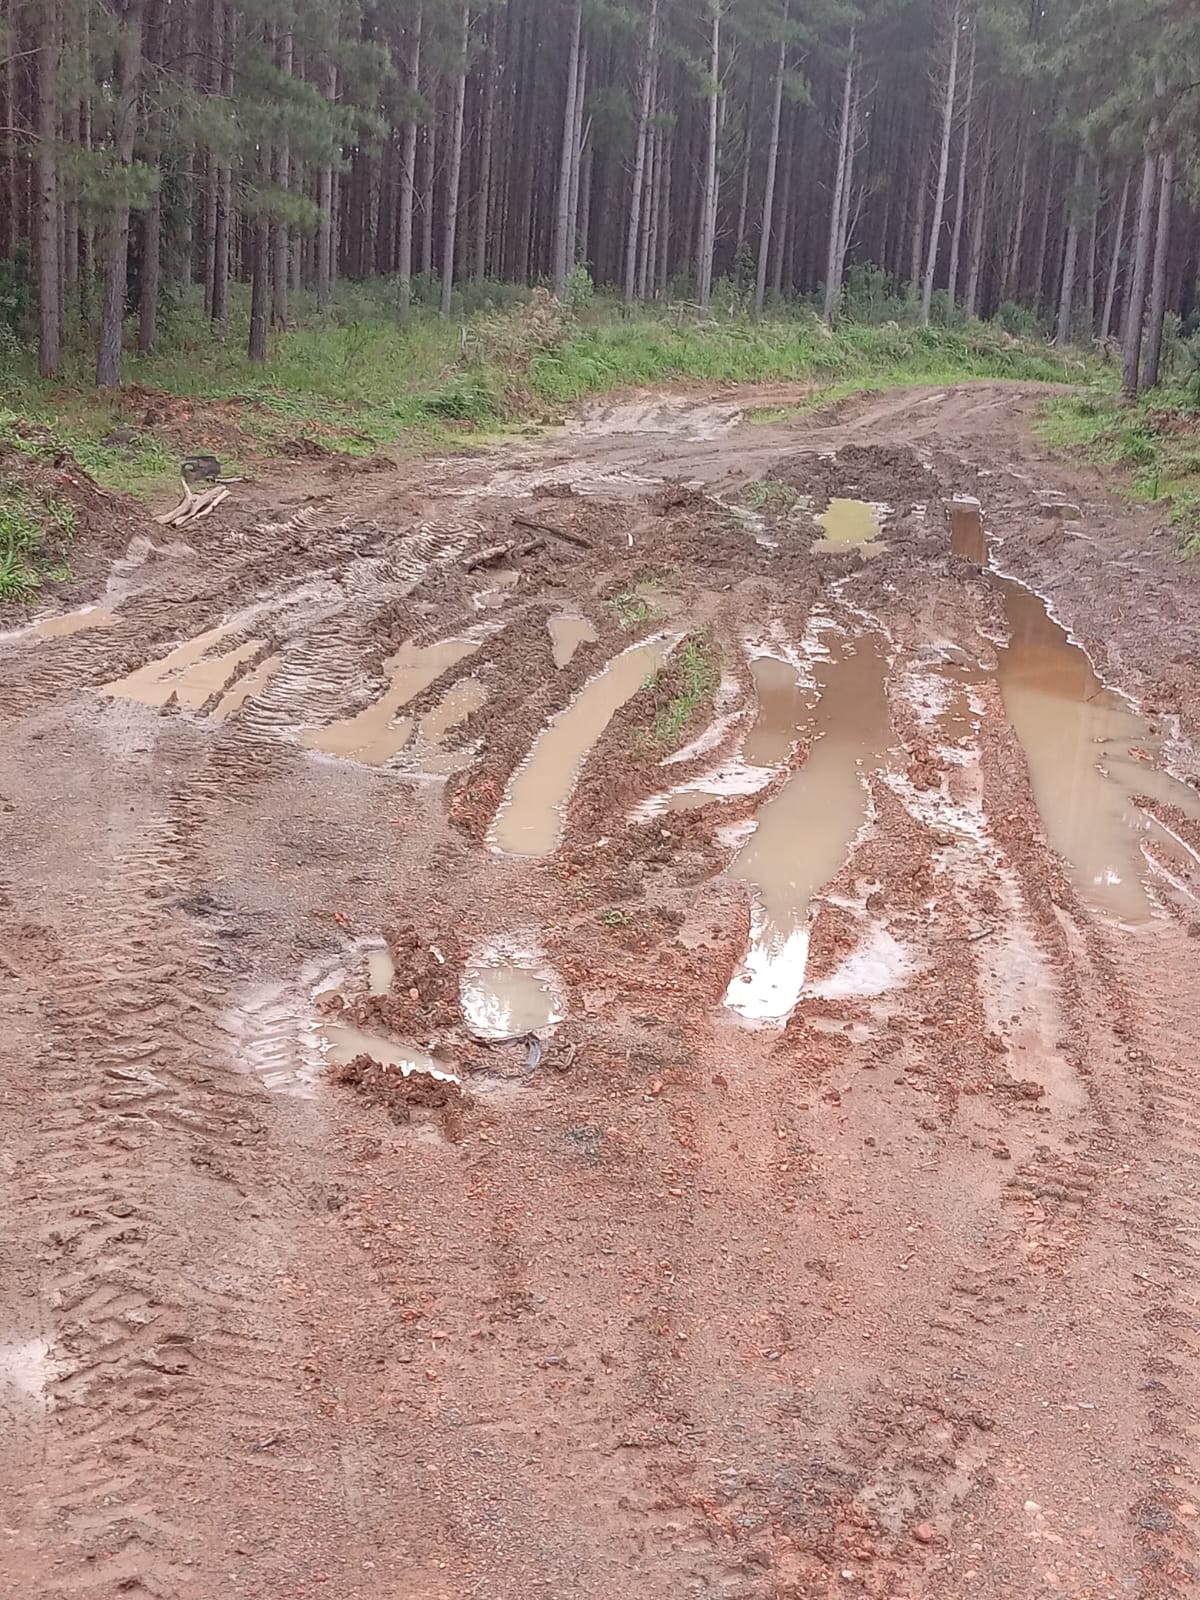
924, 1533
1032, 1506
1185, 1508
1002, 1152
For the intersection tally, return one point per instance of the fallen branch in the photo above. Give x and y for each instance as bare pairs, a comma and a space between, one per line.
497, 552
521, 521
167, 518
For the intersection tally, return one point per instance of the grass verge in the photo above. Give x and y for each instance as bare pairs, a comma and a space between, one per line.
34, 530
1153, 445
351, 380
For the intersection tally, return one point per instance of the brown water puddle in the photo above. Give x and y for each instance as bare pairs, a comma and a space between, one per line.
783, 707
1078, 738
188, 672
425, 753
849, 525
71, 622
803, 833
344, 1041
505, 999
372, 736
567, 633
530, 819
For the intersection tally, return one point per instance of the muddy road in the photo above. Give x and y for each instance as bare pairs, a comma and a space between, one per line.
654, 1060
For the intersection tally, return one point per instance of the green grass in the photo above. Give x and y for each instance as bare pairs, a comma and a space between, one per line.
33, 534
1154, 446
350, 379
694, 673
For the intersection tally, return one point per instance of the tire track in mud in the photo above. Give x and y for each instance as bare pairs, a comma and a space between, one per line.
158, 1262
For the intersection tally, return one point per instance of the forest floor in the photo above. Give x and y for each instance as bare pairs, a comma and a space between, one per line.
452, 1153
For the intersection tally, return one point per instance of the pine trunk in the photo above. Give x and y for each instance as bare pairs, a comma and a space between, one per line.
710, 193
1114, 258
279, 230
980, 202
566, 162
408, 173
961, 191
455, 170
1158, 289
483, 204
768, 206
151, 269
939, 198
833, 258
45, 179
1135, 303
128, 57
633, 230
1066, 295
260, 288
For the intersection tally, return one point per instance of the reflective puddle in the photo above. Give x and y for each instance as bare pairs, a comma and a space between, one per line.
530, 819
373, 736
187, 672
381, 969
567, 633
850, 524
803, 834
505, 998
1077, 737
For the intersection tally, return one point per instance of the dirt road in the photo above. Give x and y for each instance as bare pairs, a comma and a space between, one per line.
838, 1235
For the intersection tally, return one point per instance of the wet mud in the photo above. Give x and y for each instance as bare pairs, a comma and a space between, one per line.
711, 1119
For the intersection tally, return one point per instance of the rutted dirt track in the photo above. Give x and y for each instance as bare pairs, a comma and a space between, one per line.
841, 1236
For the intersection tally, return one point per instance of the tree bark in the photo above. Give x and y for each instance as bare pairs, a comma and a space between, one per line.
408, 173
566, 163
45, 177
127, 68
279, 229
224, 206
710, 192
579, 134
1066, 295
633, 231
1009, 281
939, 199
960, 195
1158, 289
1135, 303
428, 173
455, 170
980, 201
259, 288
1114, 258
833, 258
151, 272
483, 204
764, 238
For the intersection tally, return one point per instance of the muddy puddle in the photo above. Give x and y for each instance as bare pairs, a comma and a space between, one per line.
1079, 739
567, 633
783, 707
504, 579
507, 993
851, 525
804, 833
67, 622
188, 673
374, 735
530, 819
343, 1041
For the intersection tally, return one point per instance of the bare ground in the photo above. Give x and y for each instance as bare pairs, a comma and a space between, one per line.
897, 1300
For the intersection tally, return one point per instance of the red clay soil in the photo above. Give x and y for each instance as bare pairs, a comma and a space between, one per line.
897, 1299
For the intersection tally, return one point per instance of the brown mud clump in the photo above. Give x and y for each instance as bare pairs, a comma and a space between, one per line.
400, 1093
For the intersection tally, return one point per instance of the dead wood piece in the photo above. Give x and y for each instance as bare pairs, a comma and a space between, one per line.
521, 521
